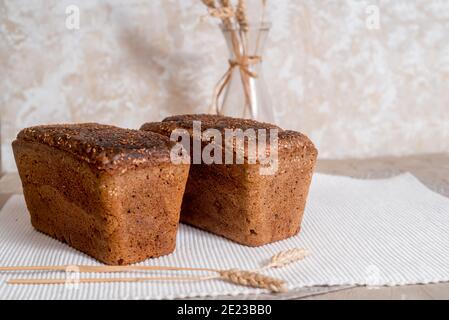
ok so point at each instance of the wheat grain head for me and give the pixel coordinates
(241, 15)
(209, 3)
(253, 279)
(285, 258)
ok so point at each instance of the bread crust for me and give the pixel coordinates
(119, 211)
(236, 201)
(106, 147)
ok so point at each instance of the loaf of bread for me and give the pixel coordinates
(109, 192)
(238, 202)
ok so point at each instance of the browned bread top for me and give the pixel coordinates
(287, 139)
(218, 122)
(207, 122)
(293, 139)
(106, 147)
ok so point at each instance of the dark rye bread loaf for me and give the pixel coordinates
(109, 192)
(236, 201)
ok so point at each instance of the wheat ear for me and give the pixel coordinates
(209, 3)
(225, 3)
(285, 258)
(253, 279)
(241, 16)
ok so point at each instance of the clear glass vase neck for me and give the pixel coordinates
(249, 43)
(246, 94)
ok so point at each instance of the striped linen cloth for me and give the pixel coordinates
(359, 232)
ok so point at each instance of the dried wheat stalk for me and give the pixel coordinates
(264, 10)
(99, 280)
(242, 277)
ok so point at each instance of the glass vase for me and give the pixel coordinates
(246, 94)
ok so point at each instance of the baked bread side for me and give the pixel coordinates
(236, 201)
(108, 192)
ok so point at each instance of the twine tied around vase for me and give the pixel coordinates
(242, 62)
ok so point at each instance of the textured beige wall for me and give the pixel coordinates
(357, 92)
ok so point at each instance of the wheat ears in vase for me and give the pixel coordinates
(248, 278)
(234, 17)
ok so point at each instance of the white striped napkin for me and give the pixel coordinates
(359, 232)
